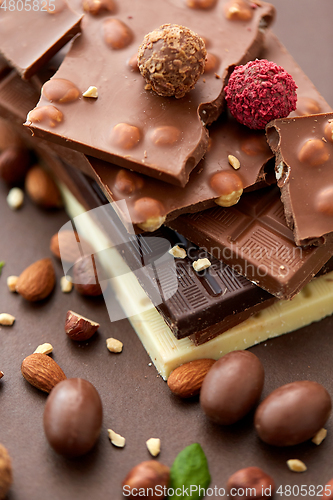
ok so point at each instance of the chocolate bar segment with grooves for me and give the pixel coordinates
(130, 126)
(32, 32)
(253, 238)
(304, 170)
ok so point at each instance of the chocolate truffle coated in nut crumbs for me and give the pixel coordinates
(171, 59)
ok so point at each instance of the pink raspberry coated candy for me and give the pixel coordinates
(260, 91)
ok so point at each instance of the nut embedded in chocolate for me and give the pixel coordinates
(73, 417)
(171, 59)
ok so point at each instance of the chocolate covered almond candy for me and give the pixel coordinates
(293, 413)
(304, 163)
(31, 33)
(130, 125)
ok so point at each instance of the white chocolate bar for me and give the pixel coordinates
(313, 303)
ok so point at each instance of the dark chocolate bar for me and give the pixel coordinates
(46, 25)
(253, 238)
(162, 137)
(304, 163)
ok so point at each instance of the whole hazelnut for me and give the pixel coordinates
(261, 484)
(146, 475)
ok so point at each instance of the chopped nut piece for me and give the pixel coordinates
(78, 327)
(116, 439)
(91, 92)
(154, 446)
(45, 348)
(15, 198)
(114, 345)
(234, 162)
(11, 283)
(1, 374)
(6, 319)
(319, 437)
(201, 264)
(152, 224)
(296, 465)
(178, 252)
(66, 284)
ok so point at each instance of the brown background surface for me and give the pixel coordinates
(137, 403)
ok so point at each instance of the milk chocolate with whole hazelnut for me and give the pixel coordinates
(162, 137)
(254, 239)
(304, 161)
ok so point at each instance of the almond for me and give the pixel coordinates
(37, 281)
(78, 327)
(42, 372)
(42, 189)
(69, 246)
(186, 380)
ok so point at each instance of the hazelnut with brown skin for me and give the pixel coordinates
(171, 59)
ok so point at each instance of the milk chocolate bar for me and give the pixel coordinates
(32, 32)
(227, 137)
(253, 238)
(162, 137)
(304, 161)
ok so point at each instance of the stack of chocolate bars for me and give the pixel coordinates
(164, 162)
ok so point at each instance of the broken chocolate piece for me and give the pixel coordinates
(47, 26)
(304, 163)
